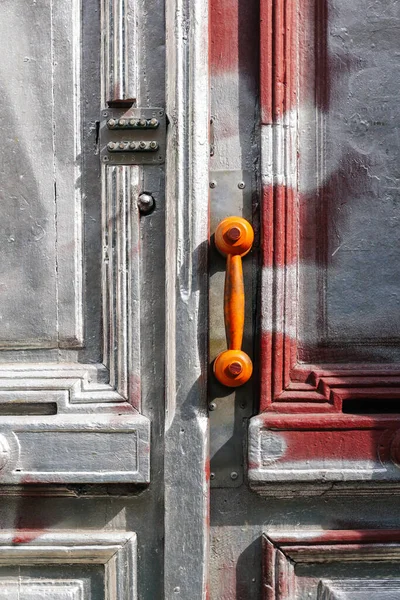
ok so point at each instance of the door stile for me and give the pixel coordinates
(186, 436)
(121, 222)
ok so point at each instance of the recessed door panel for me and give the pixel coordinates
(331, 565)
(41, 189)
(85, 565)
(70, 263)
(329, 317)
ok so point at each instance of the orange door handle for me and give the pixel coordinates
(234, 238)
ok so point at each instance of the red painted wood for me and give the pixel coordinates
(288, 383)
(283, 551)
(224, 35)
(335, 536)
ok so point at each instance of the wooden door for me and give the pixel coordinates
(304, 105)
(83, 433)
(112, 295)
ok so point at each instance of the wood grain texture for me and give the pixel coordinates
(186, 429)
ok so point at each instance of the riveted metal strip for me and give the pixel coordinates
(134, 136)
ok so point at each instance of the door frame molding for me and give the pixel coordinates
(186, 430)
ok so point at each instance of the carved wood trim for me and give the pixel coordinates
(282, 552)
(117, 380)
(286, 384)
(116, 551)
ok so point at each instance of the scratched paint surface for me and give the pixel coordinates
(43, 179)
(349, 180)
(28, 229)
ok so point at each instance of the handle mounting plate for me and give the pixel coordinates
(230, 193)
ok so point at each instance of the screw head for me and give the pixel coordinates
(234, 475)
(153, 122)
(111, 123)
(212, 406)
(111, 145)
(121, 122)
(153, 145)
(213, 184)
(241, 185)
(142, 145)
(145, 203)
(142, 122)
(233, 234)
(132, 146)
(212, 475)
(122, 146)
(132, 122)
(235, 368)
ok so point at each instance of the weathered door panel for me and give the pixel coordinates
(317, 514)
(334, 564)
(70, 358)
(79, 382)
(330, 249)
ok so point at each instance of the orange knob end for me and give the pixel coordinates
(234, 235)
(233, 368)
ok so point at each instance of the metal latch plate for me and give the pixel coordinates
(230, 193)
(134, 136)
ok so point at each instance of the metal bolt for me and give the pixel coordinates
(212, 475)
(241, 185)
(142, 122)
(142, 145)
(145, 203)
(213, 184)
(153, 145)
(122, 145)
(153, 122)
(111, 123)
(235, 368)
(132, 122)
(234, 475)
(121, 122)
(132, 146)
(111, 145)
(233, 234)
(212, 406)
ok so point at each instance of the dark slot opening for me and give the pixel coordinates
(128, 103)
(371, 406)
(21, 409)
(97, 133)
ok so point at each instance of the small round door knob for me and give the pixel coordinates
(233, 368)
(234, 235)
